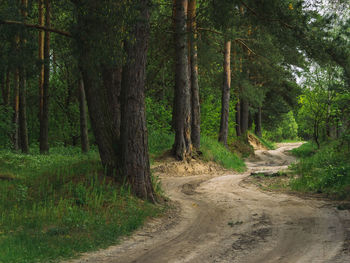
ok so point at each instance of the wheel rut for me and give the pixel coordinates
(222, 218)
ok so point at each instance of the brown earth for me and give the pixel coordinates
(219, 217)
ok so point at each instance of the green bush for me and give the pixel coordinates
(326, 171)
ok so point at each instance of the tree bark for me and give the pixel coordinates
(244, 116)
(23, 112)
(44, 122)
(182, 148)
(102, 85)
(258, 130)
(225, 99)
(6, 88)
(134, 135)
(15, 137)
(195, 104)
(22, 91)
(41, 57)
(84, 138)
(238, 119)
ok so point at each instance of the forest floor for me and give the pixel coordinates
(222, 216)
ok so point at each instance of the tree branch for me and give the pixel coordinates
(49, 29)
(264, 18)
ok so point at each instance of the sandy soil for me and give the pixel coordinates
(220, 217)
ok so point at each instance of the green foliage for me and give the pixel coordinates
(214, 151)
(286, 129)
(56, 206)
(159, 142)
(159, 116)
(326, 171)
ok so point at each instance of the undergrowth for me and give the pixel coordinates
(214, 151)
(59, 205)
(326, 170)
(268, 144)
(211, 150)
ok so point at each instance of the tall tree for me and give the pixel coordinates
(195, 104)
(257, 121)
(15, 136)
(41, 22)
(6, 88)
(225, 98)
(84, 138)
(182, 148)
(44, 121)
(134, 135)
(22, 89)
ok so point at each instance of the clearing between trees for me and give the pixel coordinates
(220, 216)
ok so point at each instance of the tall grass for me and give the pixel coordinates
(56, 206)
(214, 151)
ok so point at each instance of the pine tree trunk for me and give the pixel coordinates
(84, 138)
(22, 92)
(134, 135)
(23, 112)
(258, 130)
(238, 119)
(225, 99)
(7, 89)
(41, 57)
(44, 122)
(182, 148)
(5, 84)
(250, 121)
(102, 87)
(15, 137)
(244, 116)
(195, 104)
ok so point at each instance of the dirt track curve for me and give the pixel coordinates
(222, 218)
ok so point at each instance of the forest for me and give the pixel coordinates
(95, 94)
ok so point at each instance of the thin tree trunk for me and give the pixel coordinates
(195, 104)
(182, 148)
(22, 92)
(23, 112)
(16, 111)
(250, 121)
(238, 119)
(84, 138)
(41, 57)
(244, 116)
(134, 135)
(44, 122)
(7, 89)
(258, 130)
(4, 80)
(225, 99)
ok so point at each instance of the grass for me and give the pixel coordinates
(269, 145)
(59, 205)
(211, 149)
(305, 150)
(214, 151)
(326, 170)
(56, 206)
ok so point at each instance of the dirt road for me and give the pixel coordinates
(222, 218)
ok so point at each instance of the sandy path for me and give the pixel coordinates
(225, 219)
